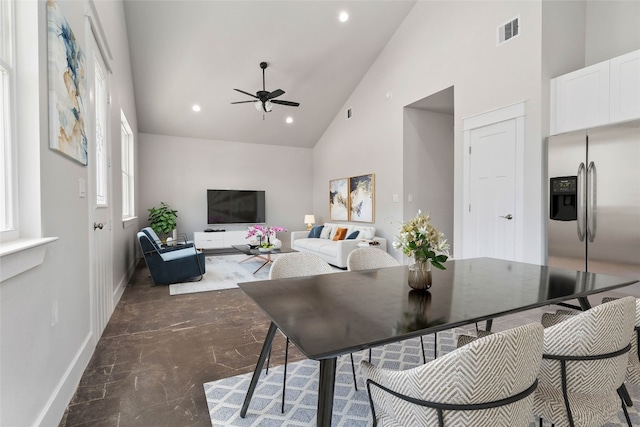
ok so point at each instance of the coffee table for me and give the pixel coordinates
(265, 256)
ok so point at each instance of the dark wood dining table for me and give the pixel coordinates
(330, 315)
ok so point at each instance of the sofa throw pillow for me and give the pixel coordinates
(340, 233)
(315, 231)
(353, 235)
(366, 232)
(326, 231)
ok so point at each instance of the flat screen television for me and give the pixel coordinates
(235, 207)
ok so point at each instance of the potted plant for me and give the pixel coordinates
(163, 219)
(264, 234)
(425, 245)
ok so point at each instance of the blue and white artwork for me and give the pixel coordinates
(361, 198)
(66, 87)
(339, 199)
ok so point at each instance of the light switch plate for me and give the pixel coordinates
(82, 188)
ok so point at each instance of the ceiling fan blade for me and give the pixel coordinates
(242, 102)
(246, 93)
(289, 103)
(275, 94)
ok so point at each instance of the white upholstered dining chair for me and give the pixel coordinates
(298, 264)
(489, 382)
(372, 258)
(295, 264)
(369, 258)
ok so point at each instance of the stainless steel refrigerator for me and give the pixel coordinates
(594, 200)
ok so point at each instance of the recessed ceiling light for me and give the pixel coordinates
(343, 17)
(289, 120)
(196, 108)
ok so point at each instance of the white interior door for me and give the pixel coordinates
(99, 190)
(491, 230)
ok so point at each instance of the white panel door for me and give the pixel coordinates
(99, 193)
(492, 195)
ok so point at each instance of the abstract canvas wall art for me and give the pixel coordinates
(361, 190)
(66, 87)
(339, 199)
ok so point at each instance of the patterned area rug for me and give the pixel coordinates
(223, 272)
(351, 408)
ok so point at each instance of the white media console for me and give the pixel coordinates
(219, 239)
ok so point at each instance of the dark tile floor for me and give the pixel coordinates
(158, 350)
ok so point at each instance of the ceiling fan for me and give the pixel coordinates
(266, 99)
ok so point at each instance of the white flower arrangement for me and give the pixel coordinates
(421, 241)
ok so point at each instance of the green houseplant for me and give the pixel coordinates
(163, 219)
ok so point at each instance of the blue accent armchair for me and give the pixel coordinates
(172, 266)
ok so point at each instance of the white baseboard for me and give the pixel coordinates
(117, 293)
(53, 411)
(63, 393)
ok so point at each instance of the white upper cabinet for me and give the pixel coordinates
(581, 99)
(603, 93)
(624, 73)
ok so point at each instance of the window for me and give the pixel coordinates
(101, 136)
(128, 172)
(8, 223)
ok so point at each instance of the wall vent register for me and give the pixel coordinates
(509, 30)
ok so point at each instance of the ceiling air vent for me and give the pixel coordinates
(509, 30)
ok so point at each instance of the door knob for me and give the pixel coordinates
(97, 225)
(509, 216)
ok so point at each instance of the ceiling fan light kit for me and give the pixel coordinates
(265, 99)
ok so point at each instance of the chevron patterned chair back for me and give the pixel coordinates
(633, 366)
(584, 365)
(298, 264)
(489, 382)
(369, 258)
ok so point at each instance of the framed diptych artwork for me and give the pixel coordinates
(352, 199)
(339, 199)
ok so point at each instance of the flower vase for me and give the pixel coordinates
(420, 275)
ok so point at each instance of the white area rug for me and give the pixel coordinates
(350, 407)
(223, 272)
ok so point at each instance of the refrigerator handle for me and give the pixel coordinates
(580, 202)
(591, 201)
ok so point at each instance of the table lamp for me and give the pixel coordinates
(310, 220)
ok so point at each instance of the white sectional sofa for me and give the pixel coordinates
(335, 252)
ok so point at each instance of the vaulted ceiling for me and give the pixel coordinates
(196, 52)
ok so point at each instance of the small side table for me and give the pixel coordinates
(369, 244)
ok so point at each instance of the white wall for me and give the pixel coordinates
(428, 167)
(440, 44)
(41, 360)
(179, 171)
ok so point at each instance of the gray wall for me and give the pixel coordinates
(612, 29)
(179, 171)
(428, 168)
